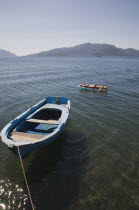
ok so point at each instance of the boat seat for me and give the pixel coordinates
(20, 136)
(54, 122)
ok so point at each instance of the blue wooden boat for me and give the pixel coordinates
(38, 126)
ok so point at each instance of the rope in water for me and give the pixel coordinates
(33, 208)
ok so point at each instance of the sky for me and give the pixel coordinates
(31, 26)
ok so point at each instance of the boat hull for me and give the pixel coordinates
(26, 149)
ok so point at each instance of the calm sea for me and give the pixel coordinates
(94, 164)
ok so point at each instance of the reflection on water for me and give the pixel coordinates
(11, 195)
(94, 164)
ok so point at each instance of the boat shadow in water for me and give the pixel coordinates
(54, 174)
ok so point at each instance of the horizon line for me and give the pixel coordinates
(67, 47)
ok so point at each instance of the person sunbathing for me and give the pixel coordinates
(100, 87)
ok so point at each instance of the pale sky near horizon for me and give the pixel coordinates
(38, 25)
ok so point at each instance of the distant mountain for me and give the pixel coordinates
(6, 54)
(89, 49)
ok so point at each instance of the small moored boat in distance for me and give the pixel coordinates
(85, 86)
(38, 126)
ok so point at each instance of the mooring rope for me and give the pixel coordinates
(33, 208)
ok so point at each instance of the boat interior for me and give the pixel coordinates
(42, 123)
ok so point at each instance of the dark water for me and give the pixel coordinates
(94, 164)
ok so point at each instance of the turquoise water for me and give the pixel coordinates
(94, 164)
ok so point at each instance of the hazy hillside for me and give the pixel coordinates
(89, 49)
(6, 54)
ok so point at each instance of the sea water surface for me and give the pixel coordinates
(94, 164)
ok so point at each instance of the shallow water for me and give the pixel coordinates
(94, 164)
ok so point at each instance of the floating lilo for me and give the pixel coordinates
(85, 86)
